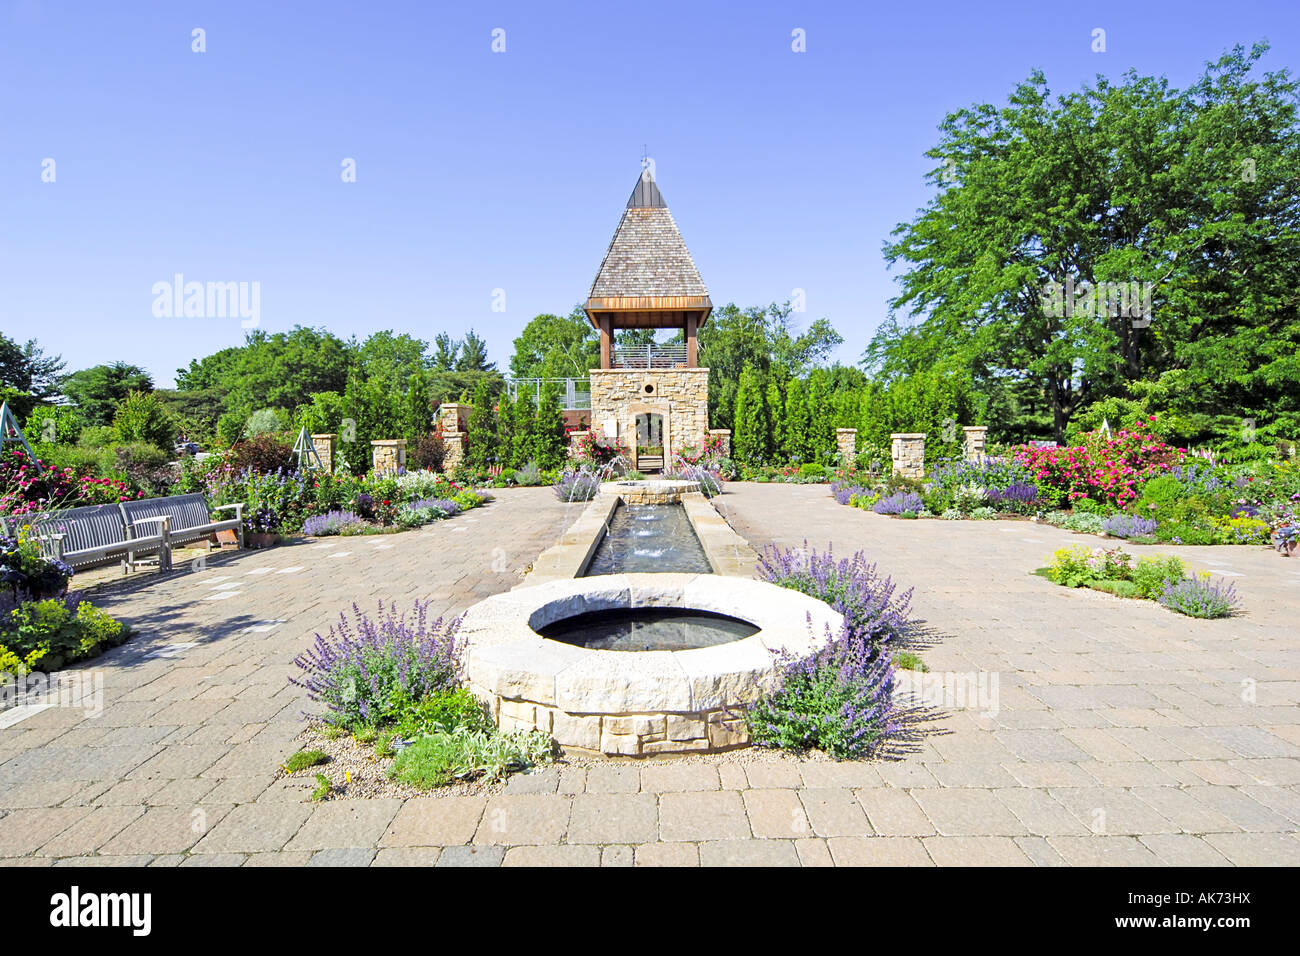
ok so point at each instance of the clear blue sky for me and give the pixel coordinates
(478, 171)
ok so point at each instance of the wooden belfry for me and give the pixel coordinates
(648, 279)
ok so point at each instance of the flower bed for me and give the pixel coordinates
(393, 682)
(1162, 579)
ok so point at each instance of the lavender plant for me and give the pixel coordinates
(1200, 597)
(332, 522)
(844, 493)
(577, 486)
(1020, 497)
(898, 503)
(1129, 526)
(840, 700)
(370, 671)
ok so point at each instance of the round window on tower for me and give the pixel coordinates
(648, 388)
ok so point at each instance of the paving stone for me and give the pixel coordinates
(296, 858)
(678, 777)
(1041, 814)
(91, 832)
(613, 778)
(702, 815)
(731, 776)
(835, 813)
(1182, 849)
(471, 856)
(975, 851)
(614, 818)
(878, 851)
(165, 830)
(547, 856)
(1255, 849)
(770, 775)
(214, 859)
(668, 854)
(776, 814)
(1111, 811)
(22, 831)
(435, 821)
(524, 819)
(343, 856)
(542, 781)
(1103, 851)
(407, 856)
(894, 812)
(749, 853)
(824, 775)
(1039, 851)
(967, 812)
(345, 823)
(617, 855)
(1248, 814)
(813, 852)
(255, 828)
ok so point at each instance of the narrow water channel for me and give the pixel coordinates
(649, 538)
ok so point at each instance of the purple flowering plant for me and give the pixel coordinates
(840, 700)
(898, 503)
(370, 671)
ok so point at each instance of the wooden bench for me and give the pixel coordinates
(92, 535)
(190, 518)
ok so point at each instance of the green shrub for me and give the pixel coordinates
(142, 418)
(1152, 574)
(443, 712)
(1119, 588)
(1070, 567)
(323, 787)
(808, 712)
(910, 662)
(61, 632)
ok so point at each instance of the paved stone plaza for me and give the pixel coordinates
(1123, 734)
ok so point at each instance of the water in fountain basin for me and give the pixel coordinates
(649, 538)
(648, 629)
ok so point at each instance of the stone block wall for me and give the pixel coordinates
(325, 446)
(626, 734)
(846, 443)
(574, 439)
(680, 395)
(907, 449)
(975, 442)
(388, 455)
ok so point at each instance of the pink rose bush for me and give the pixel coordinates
(1107, 469)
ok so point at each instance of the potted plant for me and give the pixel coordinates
(262, 528)
(1286, 539)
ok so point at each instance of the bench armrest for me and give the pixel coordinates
(164, 519)
(238, 506)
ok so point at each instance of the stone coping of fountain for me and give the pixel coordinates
(635, 702)
(649, 491)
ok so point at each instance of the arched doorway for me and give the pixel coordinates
(649, 441)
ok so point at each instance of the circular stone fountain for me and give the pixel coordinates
(629, 701)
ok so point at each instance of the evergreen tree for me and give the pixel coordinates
(775, 419)
(750, 428)
(551, 441)
(523, 424)
(794, 438)
(821, 416)
(419, 417)
(482, 429)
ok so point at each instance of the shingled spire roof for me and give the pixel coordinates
(648, 277)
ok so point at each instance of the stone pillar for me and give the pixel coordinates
(454, 443)
(325, 446)
(908, 452)
(574, 439)
(453, 425)
(453, 417)
(388, 455)
(846, 443)
(725, 445)
(975, 442)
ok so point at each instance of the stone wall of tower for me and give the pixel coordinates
(680, 395)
